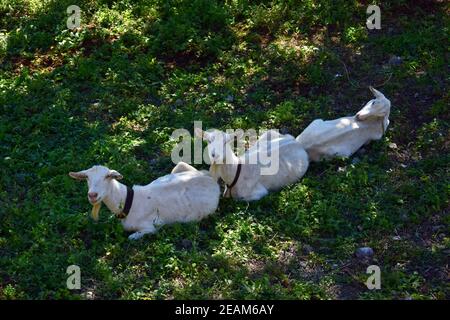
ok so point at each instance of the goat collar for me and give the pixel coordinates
(128, 203)
(236, 177)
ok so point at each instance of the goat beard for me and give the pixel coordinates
(95, 210)
(214, 171)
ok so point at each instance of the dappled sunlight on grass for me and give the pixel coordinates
(112, 91)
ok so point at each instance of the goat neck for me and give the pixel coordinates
(227, 170)
(115, 200)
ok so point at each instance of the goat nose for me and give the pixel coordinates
(92, 195)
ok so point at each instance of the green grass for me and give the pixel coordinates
(113, 91)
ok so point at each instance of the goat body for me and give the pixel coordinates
(341, 137)
(184, 195)
(291, 164)
(344, 136)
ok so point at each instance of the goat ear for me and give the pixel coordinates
(199, 132)
(229, 137)
(238, 134)
(376, 93)
(113, 174)
(362, 115)
(80, 175)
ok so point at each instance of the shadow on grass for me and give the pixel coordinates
(101, 105)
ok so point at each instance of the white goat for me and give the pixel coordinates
(182, 196)
(245, 178)
(344, 136)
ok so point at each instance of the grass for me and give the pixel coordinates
(113, 91)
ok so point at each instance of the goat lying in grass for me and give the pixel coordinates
(246, 180)
(182, 196)
(344, 136)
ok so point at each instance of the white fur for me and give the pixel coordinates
(252, 185)
(182, 196)
(344, 136)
